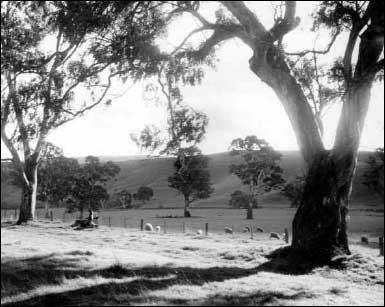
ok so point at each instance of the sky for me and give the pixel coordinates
(236, 101)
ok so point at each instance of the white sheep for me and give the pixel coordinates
(148, 227)
(228, 230)
(246, 229)
(157, 228)
(199, 232)
(259, 229)
(274, 235)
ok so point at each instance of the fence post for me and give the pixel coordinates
(232, 228)
(109, 221)
(381, 240)
(141, 224)
(125, 224)
(164, 227)
(15, 214)
(286, 235)
(184, 228)
(251, 231)
(51, 215)
(207, 229)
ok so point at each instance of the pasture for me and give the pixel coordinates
(362, 221)
(117, 266)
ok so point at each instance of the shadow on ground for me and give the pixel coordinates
(22, 275)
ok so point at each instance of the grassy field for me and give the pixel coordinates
(49, 263)
(273, 219)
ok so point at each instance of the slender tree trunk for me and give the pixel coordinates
(186, 207)
(249, 212)
(28, 196)
(46, 207)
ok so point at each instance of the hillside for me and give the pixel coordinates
(153, 172)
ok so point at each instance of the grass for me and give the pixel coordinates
(47, 263)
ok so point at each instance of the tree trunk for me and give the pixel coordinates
(28, 196)
(186, 207)
(249, 213)
(319, 225)
(46, 207)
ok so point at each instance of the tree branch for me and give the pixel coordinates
(326, 50)
(288, 23)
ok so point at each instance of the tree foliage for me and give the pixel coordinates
(55, 175)
(144, 193)
(191, 177)
(88, 189)
(241, 200)
(260, 168)
(374, 176)
(50, 52)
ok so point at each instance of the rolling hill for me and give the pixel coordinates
(153, 172)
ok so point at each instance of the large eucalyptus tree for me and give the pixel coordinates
(320, 223)
(58, 60)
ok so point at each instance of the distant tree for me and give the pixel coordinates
(374, 176)
(55, 175)
(293, 191)
(144, 194)
(124, 198)
(88, 190)
(242, 200)
(191, 177)
(259, 169)
(186, 128)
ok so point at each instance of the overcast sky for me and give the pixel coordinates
(235, 100)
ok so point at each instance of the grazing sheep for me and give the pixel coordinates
(259, 229)
(199, 232)
(157, 228)
(274, 235)
(364, 240)
(148, 227)
(246, 229)
(228, 230)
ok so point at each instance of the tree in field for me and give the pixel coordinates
(374, 176)
(88, 190)
(54, 176)
(191, 177)
(320, 223)
(240, 199)
(186, 128)
(53, 50)
(293, 191)
(144, 194)
(259, 169)
(124, 198)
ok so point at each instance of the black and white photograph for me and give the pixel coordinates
(192, 153)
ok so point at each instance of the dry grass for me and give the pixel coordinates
(51, 264)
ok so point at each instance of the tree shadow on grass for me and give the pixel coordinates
(21, 276)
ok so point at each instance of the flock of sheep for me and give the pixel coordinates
(228, 230)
